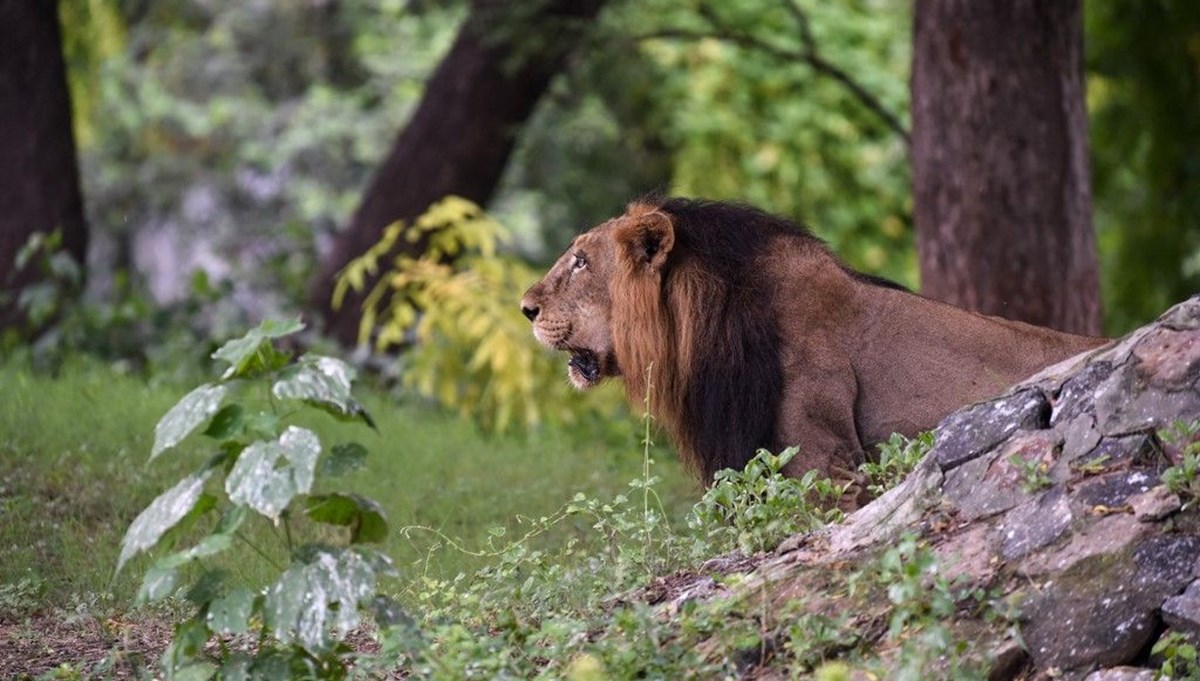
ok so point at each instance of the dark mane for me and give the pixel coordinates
(726, 231)
(736, 374)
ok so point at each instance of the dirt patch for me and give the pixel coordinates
(112, 648)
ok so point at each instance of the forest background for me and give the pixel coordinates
(225, 145)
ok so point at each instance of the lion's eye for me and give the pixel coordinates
(580, 262)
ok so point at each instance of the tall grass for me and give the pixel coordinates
(74, 473)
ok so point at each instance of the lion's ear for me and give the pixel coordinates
(645, 240)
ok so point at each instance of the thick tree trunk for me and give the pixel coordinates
(39, 178)
(1000, 160)
(462, 133)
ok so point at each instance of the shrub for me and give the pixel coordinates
(897, 457)
(1182, 441)
(757, 507)
(456, 310)
(268, 468)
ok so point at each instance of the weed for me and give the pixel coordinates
(922, 601)
(20, 597)
(814, 638)
(1035, 474)
(897, 457)
(1183, 441)
(757, 507)
(1179, 658)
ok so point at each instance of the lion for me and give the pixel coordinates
(742, 330)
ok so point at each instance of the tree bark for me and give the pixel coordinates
(463, 131)
(39, 177)
(1000, 160)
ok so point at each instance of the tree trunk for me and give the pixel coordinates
(1000, 160)
(39, 178)
(462, 133)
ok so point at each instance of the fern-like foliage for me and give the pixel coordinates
(457, 307)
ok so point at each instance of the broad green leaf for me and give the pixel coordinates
(363, 516)
(231, 520)
(226, 423)
(209, 546)
(204, 504)
(161, 515)
(311, 599)
(231, 613)
(268, 475)
(158, 583)
(162, 579)
(345, 458)
(275, 665)
(190, 637)
(323, 382)
(253, 353)
(207, 588)
(196, 671)
(186, 415)
(263, 424)
(236, 667)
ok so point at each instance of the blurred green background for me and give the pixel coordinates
(238, 136)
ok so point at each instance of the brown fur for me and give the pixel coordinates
(747, 332)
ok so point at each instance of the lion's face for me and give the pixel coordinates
(571, 309)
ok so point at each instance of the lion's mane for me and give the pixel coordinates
(699, 335)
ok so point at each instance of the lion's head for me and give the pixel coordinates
(648, 296)
(571, 308)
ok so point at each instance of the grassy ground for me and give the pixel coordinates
(74, 473)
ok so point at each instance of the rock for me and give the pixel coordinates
(1169, 357)
(1185, 315)
(1094, 563)
(1080, 436)
(983, 487)
(1122, 674)
(1158, 386)
(892, 513)
(1089, 616)
(971, 432)
(1077, 393)
(1156, 504)
(1182, 612)
(1123, 451)
(1006, 660)
(1113, 490)
(1034, 525)
(1110, 535)
(1167, 563)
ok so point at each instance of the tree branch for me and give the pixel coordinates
(808, 55)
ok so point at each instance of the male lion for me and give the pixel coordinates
(749, 333)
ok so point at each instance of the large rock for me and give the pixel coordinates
(1052, 494)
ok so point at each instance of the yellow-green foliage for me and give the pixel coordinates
(457, 304)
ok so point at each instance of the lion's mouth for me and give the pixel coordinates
(584, 368)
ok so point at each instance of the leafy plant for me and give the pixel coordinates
(1183, 442)
(758, 507)
(268, 467)
(1035, 474)
(1178, 653)
(897, 457)
(59, 278)
(454, 308)
(922, 601)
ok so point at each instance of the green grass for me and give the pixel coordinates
(74, 474)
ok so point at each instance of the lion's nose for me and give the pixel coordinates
(529, 311)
